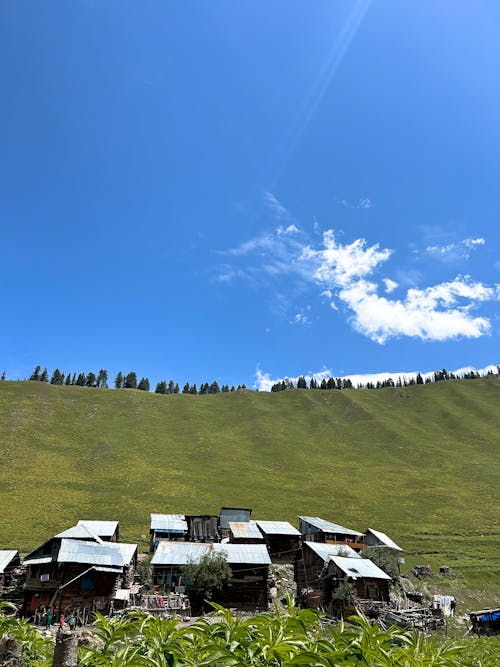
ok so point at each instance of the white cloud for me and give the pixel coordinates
(390, 285)
(301, 318)
(363, 203)
(347, 274)
(440, 312)
(291, 229)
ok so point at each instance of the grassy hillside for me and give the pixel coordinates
(420, 463)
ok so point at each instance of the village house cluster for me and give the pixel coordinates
(86, 568)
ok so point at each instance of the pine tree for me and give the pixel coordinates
(102, 379)
(193, 389)
(119, 380)
(170, 388)
(313, 384)
(225, 389)
(161, 387)
(68, 380)
(301, 383)
(130, 380)
(176, 388)
(186, 388)
(73, 379)
(4, 376)
(143, 384)
(233, 387)
(57, 377)
(81, 380)
(35, 376)
(44, 377)
(214, 388)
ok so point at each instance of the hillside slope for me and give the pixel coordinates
(420, 463)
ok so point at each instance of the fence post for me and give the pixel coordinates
(66, 649)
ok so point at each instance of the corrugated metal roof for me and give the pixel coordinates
(127, 551)
(325, 551)
(172, 523)
(385, 539)
(245, 530)
(178, 553)
(89, 553)
(327, 526)
(38, 561)
(6, 556)
(182, 553)
(359, 568)
(238, 514)
(251, 554)
(80, 531)
(277, 528)
(101, 528)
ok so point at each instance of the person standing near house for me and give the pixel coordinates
(48, 618)
(61, 621)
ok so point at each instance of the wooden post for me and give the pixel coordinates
(10, 652)
(66, 649)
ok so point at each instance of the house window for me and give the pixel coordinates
(372, 591)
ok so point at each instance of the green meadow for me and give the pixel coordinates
(420, 463)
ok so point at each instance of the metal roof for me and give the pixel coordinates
(127, 551)
(326, 551)
(245, 530)
(38, 561)
(6, 556)
(182, 553)
(277, 528)
(178, 553)
(79, 532)
(359, 568)
(171, 523)
(101, 528)
(382, 537)
(239, 514)
(250, 554)
(89, 553)
(327, 526)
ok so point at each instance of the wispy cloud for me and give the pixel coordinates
(454, 251)
(276, 207)
(363, 203)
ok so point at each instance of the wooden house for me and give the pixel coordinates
(314, 529)
(167, 527)
(369, 580)
(282, 540)
(236, 514)
(11, 576)
(249, 563)
(75, 574)
(311, 569)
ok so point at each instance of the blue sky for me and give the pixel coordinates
(249, 190)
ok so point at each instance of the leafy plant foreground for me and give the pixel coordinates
(298, 637)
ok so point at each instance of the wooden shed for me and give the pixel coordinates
(282, 540)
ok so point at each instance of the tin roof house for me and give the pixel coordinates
(249, 563)
(282, 540)
(315, 529)
(83, 571)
